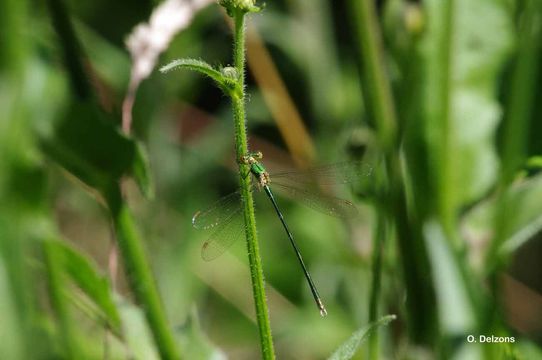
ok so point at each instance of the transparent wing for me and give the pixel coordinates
(217, 213)
(341, 173)
(229, 231)
(323, 203)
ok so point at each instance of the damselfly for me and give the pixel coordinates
(226, 216)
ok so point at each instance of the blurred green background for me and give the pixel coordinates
(450, 221)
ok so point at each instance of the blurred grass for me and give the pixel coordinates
(464, 83)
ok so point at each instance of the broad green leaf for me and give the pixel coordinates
(453, 116)
(463, 59)
(521, 89)
(88, 145)
(349, 348)
(84, 274)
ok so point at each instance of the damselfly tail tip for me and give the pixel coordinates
(322, 308)
(323, 312)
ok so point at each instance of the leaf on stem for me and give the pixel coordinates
(225, 78)
(82, 272)
(87, 144)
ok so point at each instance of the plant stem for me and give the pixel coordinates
(139, 275)
(380, 102)
(379, 91)
(379, 99)
(241, 146)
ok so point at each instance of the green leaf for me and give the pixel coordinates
(521, 91)
(349, 348)
(87, 143)
(224, 79)
(83, 273)
(462, 61)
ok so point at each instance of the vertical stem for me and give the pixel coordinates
(241, 146)
(140, 276)
(379, 99)
(443, 163)
(131, 246)
(378, 88)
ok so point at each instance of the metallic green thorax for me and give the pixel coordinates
(257, 169)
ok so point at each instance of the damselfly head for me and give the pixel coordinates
(252, 157)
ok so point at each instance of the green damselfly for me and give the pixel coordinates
(225, 215)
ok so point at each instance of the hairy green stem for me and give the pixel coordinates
(241, 145)
(139, 275)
